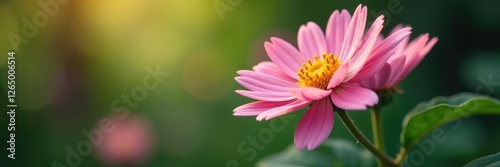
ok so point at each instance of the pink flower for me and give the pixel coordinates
(406, 57)
(129, 141)
(325, 70)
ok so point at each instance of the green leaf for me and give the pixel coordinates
(333, 152)
(427, 116)
(487, 161)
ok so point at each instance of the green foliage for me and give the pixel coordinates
(487, 161)
(427, 116)
(333, 152)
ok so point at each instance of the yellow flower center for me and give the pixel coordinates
(318, 73)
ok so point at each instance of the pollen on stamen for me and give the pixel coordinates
(318, 73)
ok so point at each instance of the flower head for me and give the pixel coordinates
(323, 72)
(406, 57)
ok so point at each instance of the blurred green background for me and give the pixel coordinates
(91, 53)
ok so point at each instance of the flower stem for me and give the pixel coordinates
(378, 138)
(401, 156)
(386, 160)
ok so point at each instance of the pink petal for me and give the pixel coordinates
(292, 106)
(315, 126)
(393, 41)
(370, 83)
(346, 105)
(258, 107)
(413, 48)
(255, 108)
(269, 68)
(380, 54)
(263, 77)
(288, 63)
(359, 59)
(428, 46)
(397, 66)
(335, 30)
(400, 48)
(350, 97)
(353, 34)
(266, 96)
(311, 40)
(285, 47)
(339, 76)
(396, 28)
(310, 93)
(371, 68)
(260, 85)
(383, 76)
(417, 55)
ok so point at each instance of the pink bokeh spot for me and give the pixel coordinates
(129, 142)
